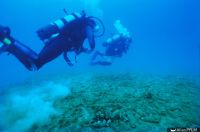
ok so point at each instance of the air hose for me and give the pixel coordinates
(100, 25)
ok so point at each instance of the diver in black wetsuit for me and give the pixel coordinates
(61, 36)
(115, 47)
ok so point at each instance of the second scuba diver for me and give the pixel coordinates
(61, 36)
(115, 46)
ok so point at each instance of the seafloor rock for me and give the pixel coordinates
(151, 118)
(120, 102)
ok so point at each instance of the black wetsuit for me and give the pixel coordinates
(71, 39)
(116, 48)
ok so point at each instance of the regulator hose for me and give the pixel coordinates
(102, 25)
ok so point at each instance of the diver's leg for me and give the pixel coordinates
(33, 61)
(97, 53)
(30, 59)
(3, 48)
(104, 61)
(51, 51)
(94, 61)
(24, 54)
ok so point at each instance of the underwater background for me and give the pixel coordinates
(151, 88)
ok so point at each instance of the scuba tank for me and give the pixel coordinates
(118, 37)
(111, 40)
(56, 27)
(117, 45)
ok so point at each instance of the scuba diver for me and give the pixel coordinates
(62, 36)
(115, 46)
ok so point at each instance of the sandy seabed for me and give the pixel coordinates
(101, 103)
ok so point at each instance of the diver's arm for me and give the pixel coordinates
(67, 59)
(90, 37)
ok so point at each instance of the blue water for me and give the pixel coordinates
(166, 41)
(165, 33)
